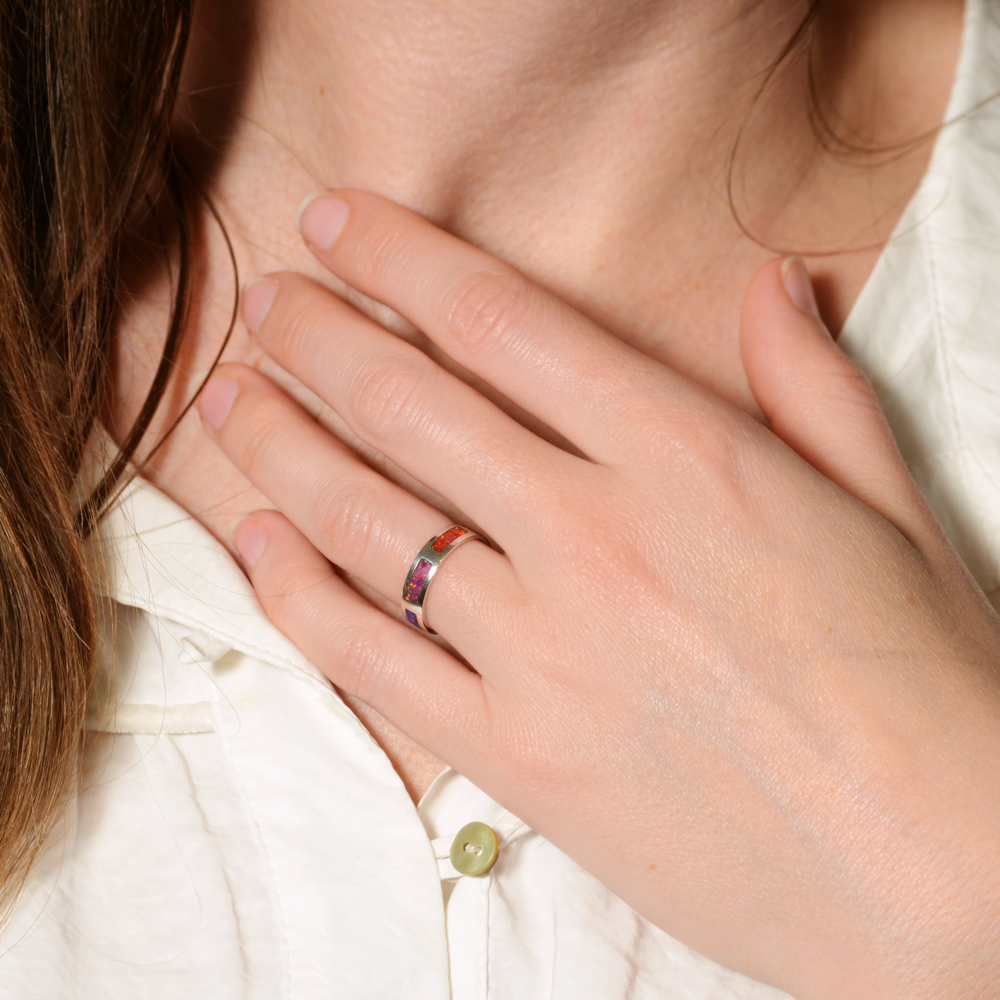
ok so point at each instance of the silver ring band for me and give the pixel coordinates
(425, 566)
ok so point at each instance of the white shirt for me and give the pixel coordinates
(238, 832)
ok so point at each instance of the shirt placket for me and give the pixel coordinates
(461, 820)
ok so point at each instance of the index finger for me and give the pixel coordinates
(539, 352)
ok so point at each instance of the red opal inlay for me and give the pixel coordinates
(417, 582)
(443, 541)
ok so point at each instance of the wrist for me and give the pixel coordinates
(914, 866)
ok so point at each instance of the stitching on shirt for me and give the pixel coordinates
(185, 719)
(484, 965)
(937, 328)
(262, 840)
(947, 365)
(146, 553)
(263, 654)
(166, 610)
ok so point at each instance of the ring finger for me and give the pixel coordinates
(356, 518)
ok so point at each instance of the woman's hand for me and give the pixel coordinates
(737, 673)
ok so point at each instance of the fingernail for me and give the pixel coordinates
(799, 286)
(250, 539)
(320, 219)
(216, 399)
(257, 298)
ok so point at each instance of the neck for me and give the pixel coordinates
(620, 153)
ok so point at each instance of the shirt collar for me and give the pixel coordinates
(149, 553)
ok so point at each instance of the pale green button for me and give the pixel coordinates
(475, 850)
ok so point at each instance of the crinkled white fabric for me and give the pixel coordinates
(926, 327)
(238, 833)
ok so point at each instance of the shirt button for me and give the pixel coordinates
(475, 850)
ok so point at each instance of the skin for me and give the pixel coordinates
(575, 179)
(849, 737)
(788, 694)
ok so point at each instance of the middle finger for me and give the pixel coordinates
(395, 398)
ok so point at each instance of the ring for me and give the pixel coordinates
(424, 568)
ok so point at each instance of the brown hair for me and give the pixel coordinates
(87, 88)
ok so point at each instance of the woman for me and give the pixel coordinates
(771, 733)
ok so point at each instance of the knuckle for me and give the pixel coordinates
(349, 516)
(488, 310)
(301, 313)
(389, 395)
(843, 383)
(300, 329)
(366, 661)
(692, 444)
(266, 443)
(651, 422)
(850, 383)
(376, 256)
(604, 537)
(713, 459)
(288, 594)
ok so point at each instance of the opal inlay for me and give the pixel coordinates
(443, 541)
(412, 618)
(417, 582)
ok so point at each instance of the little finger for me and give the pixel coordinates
(415, 684)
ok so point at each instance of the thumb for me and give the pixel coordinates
(819, 402)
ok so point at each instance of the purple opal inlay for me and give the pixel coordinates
(412, 618)
(417, 582)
